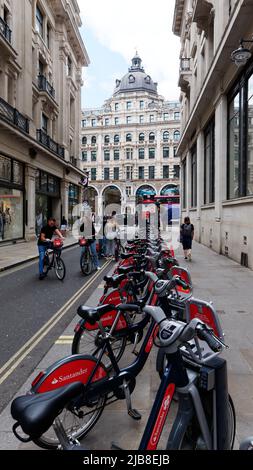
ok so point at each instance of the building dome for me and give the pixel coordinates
(136, 79)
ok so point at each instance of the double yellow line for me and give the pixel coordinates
(8, 368)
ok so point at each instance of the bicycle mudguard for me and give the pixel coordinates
(68, 370)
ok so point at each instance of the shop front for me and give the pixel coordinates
(73, 202)
(11, 199)
(47, 203)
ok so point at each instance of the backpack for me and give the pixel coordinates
(187, 230)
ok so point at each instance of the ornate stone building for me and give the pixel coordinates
(129, 145)
(216, 146)
(41, 60)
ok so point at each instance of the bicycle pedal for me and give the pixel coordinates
(115, 447)
(134, 414)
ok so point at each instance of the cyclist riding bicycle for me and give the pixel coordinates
(44, 242)
(87, 228)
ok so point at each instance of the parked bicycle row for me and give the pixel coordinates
(147, 301)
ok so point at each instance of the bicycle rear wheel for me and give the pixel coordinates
(86, 262)
(60, 269)
(89, 342)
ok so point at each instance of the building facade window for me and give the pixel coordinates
(116, 173)
(106, 174)
(177, 116)
(165, 116)
(209, 163)
(151, 152)
(176, 136)
(93, 174)
(141, 172)
(166, 152)
(176, 171)
(84, 141)
(141, 137)
(174, 152)
(116, 139)
(44, 123)
(129, 105)
(129, 119)
(107, 139)
(129, 154)
(129, 172)
(151, 137)
(151, 118)
(93, 139)
(11, 199)
(116, 106)
(141, 104)
(47, 192)
(151, 172)
(84, 156)
(84, 122)
(129, 137)
(128, 191)
(93, 122)
(240, 141)
(184, 189)
(194, 177)
(116, 121)
(166, 136)
(106, 155)
(166, 171)
(107, 121)
(39, 21)
(141, 153)
(93, 156)
(116, 154)
(141, 119)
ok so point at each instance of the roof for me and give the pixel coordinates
(136, 79)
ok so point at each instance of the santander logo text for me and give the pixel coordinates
(64, 378)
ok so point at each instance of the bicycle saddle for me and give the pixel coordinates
(93, 314)
(114, 281)
(125, 269)
(36, 413)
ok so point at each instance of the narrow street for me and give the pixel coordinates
(28, 308)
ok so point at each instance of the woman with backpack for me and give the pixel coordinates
(186, 237)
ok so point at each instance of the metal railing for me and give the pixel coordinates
(13, 116)
(46, 140)
(5, 30)
(44, 85)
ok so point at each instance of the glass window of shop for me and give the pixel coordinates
(11, 199)
(47, 192)
(240, 137)
(73, 201)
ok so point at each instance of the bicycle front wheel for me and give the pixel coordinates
(86, 262)
(60, 269)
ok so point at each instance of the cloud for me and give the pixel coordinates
(125, 27)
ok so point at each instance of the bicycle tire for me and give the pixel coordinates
(86, 263)
(60, 268)
(84, 337)
(49, 440)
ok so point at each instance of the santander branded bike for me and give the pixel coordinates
(67, 399)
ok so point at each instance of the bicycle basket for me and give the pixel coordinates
(57, 243)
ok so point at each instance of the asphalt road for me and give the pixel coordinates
(26, 306)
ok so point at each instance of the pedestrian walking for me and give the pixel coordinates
(89, 231)
(111, 231)
(64, 226)
(186, 237)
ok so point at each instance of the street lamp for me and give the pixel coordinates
(241, 55)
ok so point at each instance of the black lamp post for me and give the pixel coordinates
(241, 55)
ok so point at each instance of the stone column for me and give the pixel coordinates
(188, 182)
(220, 164)
(30, 178)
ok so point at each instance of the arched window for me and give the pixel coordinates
(151, 137)
(176, 136)
(107, 139)
(84, 140)
(141, 137)
(93, 139)
(166, 136)
(131, 79)
(129, 137)
(116, 139)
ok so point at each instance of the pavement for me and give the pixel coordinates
(12, 255)
(215, 278)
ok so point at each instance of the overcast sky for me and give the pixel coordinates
(113, 30)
